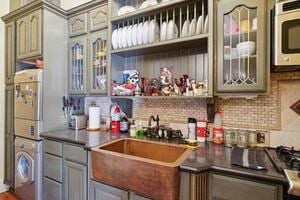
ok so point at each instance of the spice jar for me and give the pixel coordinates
(218, 135)
(228, 133)
(243, 139)
(252, 138)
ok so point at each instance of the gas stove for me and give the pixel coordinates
(284, 157)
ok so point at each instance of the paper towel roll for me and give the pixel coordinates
(94, 118)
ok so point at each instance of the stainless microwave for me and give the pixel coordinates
(287, 35)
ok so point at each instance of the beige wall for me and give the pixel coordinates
(4, 8)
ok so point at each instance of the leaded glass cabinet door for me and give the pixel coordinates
(242, 46)
(98, 63)
(77, 66)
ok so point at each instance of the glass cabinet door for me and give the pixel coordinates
(98, 63)
(241, 46)
(77, 67)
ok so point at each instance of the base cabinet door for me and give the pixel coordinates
(52, 190)
(75, 181)
(230, 188)
(99, 191)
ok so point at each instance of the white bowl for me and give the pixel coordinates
(246, 48)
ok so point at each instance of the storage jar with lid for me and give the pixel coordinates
(218, 134)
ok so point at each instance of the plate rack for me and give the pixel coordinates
(190, 54)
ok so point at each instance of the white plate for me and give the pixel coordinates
(146, 32)
(148, 3)
(129, 36)
(114, 39)
(163, 31)
(185, 28)
(205, 28)
(199, 26)
(134, 35)
(192, 28)
(140, 34)
(120, 42)
(126, 9)
(153, 31)
(124, 37)
(172, 30)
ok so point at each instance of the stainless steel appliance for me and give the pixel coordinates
(286, 39)
(77, 122)
(28, 103)
(28, 169)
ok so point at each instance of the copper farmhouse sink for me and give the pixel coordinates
(145, 167)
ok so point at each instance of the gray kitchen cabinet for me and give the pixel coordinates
(77, 66)
(233, 188)
(75, 181)
(241, 46)
(98, 18)
(100, 191)
(98, 62)
(9, 136)
(52, 190)
(35, 34)
(78, 25)
(29, 35)
(22, 33)
(10, 52)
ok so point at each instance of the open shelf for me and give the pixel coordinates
(163, 97)
(179, 43)
(147, 11)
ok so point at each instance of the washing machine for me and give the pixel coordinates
(28, 169)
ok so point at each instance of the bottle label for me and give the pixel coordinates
(124, 126)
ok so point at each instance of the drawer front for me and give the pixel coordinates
(53, 147)
(78, 25)
(228, 188)
(75, 153)
(98, 18)
(53, 167)
(52, 190)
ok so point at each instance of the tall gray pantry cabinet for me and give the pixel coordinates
(37, 30)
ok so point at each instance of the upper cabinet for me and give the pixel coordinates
(98, 63)
(241, 46)
(10, 52)
(29, 35)
(98, 18)
(88, 49)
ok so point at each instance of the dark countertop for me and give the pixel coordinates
(214, 157)
(88, 139)
(207, 156)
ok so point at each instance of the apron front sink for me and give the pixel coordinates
(145, 167)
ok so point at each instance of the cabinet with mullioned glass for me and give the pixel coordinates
(241, 46)
(88, 49)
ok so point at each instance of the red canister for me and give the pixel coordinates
(201, 130)
(115, 126)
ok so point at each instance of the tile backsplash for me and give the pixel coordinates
(262, 112)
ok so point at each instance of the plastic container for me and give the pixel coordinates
(201, 130)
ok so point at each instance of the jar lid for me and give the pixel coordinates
(201, 120)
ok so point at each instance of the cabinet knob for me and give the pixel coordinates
(286, 59)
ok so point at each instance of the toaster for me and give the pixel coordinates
(78, 122)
